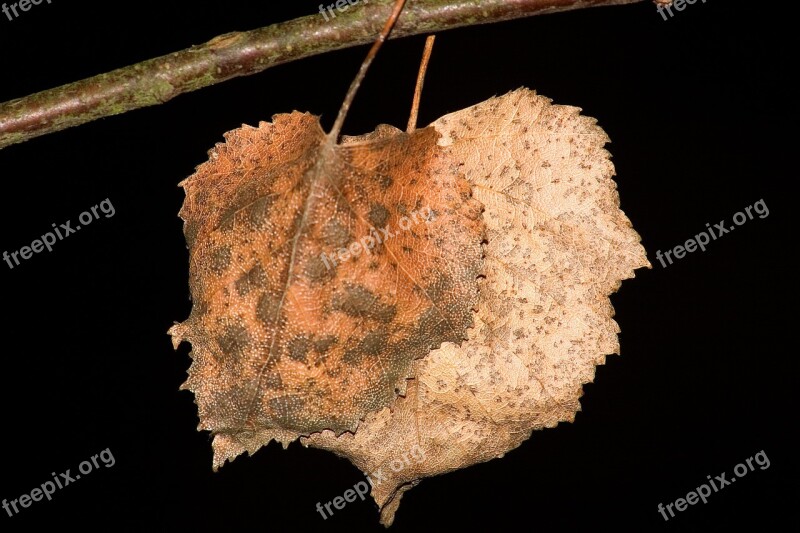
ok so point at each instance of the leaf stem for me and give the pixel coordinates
(362, 71)
(423, 68)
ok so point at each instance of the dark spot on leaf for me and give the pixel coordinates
(432, 325)
(234, 340)
(372, 344)
(220, 259)
(323, 344)
(385, 181)
(253, 279)
(318, 270)
(190, 230)
(287, 409)
(267, 309)
(227, 218)
(259, 211)
(378, 215)
(298, 348)
(358, 301)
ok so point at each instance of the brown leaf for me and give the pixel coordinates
(292, 333)
(558, 245)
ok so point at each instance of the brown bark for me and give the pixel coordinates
(236, 54)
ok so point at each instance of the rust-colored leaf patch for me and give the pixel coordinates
(319, 272)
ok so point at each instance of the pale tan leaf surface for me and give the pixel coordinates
(558, 245)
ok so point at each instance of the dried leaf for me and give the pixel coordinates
(558, 245)
(288, 332)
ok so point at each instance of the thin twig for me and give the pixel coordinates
(351, 92)
(228, 56)
(423, 68)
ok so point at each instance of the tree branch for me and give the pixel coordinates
(228, 56)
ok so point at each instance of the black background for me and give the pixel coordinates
(701, 110)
